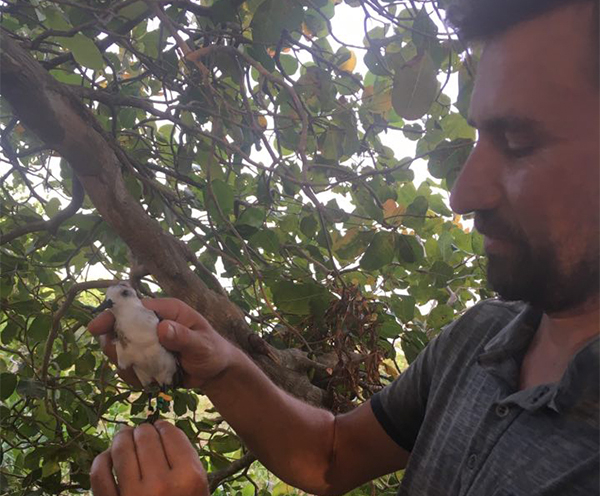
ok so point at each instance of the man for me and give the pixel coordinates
(505, 401)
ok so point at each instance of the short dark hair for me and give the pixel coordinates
(481, 20)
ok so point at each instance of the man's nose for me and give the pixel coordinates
(478, 186)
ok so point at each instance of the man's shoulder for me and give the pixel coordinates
(480, 323)
(493, 309)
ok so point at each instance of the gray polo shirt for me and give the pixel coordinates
(470, 431)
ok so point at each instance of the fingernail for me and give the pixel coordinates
(170, 334)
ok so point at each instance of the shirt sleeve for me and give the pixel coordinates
(400, 407)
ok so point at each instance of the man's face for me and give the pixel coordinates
(533, 178)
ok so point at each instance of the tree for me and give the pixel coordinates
(224, 153)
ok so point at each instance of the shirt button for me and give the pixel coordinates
(502, 410)
(472, 461)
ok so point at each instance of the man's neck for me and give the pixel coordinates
(572, 329)
(558, 338)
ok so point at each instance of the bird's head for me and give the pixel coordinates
(118, 296)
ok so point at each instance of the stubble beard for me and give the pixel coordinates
(536, 277)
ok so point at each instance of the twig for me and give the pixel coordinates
(215, 478)
(58, 315)
(52, 224)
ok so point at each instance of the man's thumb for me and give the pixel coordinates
(174, 336)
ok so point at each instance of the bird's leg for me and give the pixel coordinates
(150, 407)
(153, 413)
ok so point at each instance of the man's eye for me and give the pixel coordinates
(517, 146)
(519, 151)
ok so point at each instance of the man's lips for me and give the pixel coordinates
(496, 245)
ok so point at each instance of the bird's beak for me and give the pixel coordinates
(108, 303)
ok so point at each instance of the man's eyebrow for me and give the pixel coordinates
(507, 124)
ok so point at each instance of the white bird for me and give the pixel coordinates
(137, 339)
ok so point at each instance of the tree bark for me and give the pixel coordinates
(59, 118)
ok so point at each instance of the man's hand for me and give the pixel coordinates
(204, 354)
(150, 460)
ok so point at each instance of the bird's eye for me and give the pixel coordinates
(125, 292)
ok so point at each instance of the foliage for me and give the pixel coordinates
(252, 132)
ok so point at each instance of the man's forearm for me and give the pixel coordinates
(291, 438)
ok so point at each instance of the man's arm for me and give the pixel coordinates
(305, 446)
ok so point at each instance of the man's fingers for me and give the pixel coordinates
(177, 446)
(108, 347)
(176, 337)
(177, 310)
(150, 452)
(102, 324)
(101, 477)
(125, 460)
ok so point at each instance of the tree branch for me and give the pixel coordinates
(59, 314)
(215, 478)
(52, 224)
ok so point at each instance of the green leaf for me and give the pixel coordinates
(375, 62)
(409, 249)
(223, 193)
(309, 226)
(179, 404)
(52, 207)
(440, 316)
(252, 216)
(85, 364)
(415, 88)
(225, 444)
(442, 273)
(50, 467)
(380, 252)
(267, 240)
(39, 328)
(289, 64)
(445, 244)
(10, 331)
(8, 383)
(55, 20)
(446, 161)
(415, 213)
(272, 17)
(477, 243)
(294, 298)
(84, 51)
(259, 53)
(413, 343)
(31, 388)
(455, 126)
(390, 330)
(133, 10)
(223, 11)
(404, 307)
(424, 30)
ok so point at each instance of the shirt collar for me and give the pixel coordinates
(503, 354)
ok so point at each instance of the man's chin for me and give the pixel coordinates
(513, 280)
(536, 281)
